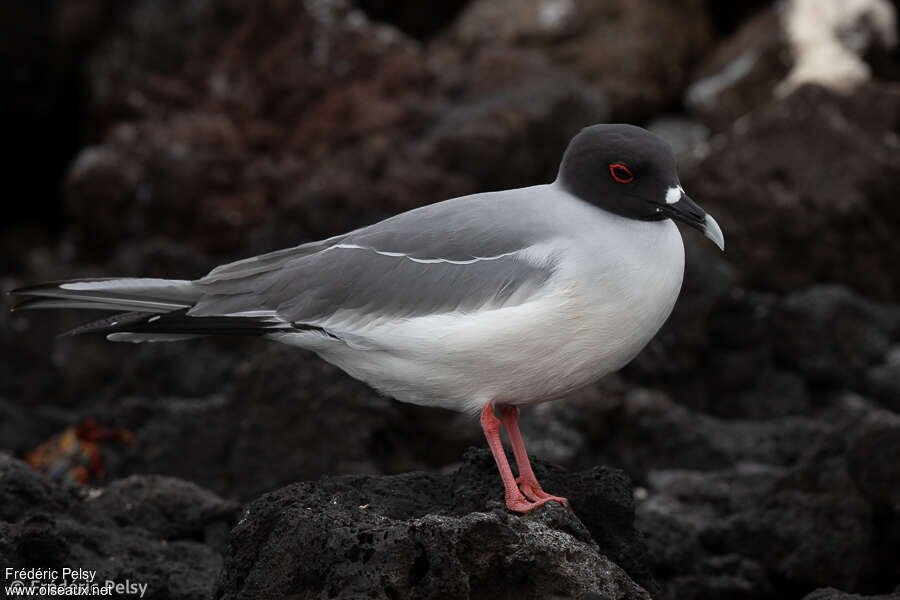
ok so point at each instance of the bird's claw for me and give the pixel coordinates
(521, 504)
(532, 490)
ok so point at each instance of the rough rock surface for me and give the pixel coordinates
(422, 535)
(762, 355)
(838, 229)
(279, 424)
(235, 113)
(738, 507)
(740, 73)
(160, 531)
(614, 45)
(412, 535)
(834, 594)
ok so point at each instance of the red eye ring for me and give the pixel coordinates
(620, 173)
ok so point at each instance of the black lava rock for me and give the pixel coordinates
(158, 531)
(428, 535)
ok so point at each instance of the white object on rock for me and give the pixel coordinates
(828, 38)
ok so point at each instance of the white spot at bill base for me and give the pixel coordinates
(674, 194)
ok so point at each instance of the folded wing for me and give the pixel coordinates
(461, 255)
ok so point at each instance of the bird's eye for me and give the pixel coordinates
(620, 173)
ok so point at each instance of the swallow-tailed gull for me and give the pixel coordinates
(481, 303)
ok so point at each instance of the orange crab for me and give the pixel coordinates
(75, 454)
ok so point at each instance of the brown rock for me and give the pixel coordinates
(740, 73)
(804, 189)
(216, 125)
(638, 53)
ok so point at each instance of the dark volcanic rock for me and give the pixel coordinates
(727, 17)
(513, 136)
(430, 536)
(873, 458)
(834, 594)
(166, 507)
(413, 17)
(745, 354)
(736, 508)
(616, 45)
(827, 519)
(279, 423)
(24, 491)
(740, 74)
(641, 431)
(789, 225)
(652, 432)
(43, 51)
(155, 530)
(210, 128)
(883, 380)
(832, 336)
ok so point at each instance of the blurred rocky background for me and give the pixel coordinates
(760, 430)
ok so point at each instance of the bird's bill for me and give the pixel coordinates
(686, 211)
(712, 230)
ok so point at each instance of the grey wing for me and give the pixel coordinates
(242, 269)
(458, 255)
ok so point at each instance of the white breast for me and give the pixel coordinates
(616, 283)
(623, 301)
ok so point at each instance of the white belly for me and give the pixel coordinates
(606, 302)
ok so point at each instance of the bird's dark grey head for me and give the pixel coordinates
(630, 172)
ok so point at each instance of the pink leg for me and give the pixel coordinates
(515, 501)
(527, 482)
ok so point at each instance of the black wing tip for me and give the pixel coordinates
(23, 303)
(39, 291)
(18, 302)
(28, 302)
(70, 333)
(38, 288)
(179, 322)
(174, 322)
(113, 324)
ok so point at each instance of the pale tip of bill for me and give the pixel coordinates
(714, 232)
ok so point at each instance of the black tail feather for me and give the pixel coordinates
(107, 324)
(150, 309)
(180, 323)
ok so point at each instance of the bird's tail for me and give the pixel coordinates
(148, 310)
(132, 294)
(141, 299)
